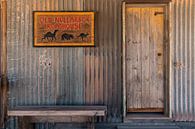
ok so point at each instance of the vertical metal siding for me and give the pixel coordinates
(91, 75)
(184, 60)
(71, 75)
(41, 75)
(103, 63)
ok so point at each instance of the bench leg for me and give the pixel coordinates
(24, 123)
(91, 124)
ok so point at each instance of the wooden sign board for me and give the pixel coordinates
(63, 28)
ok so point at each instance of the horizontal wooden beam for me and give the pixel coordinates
(145, 110)
(59, 111)
(75, 107)
(147, 1)
(56, 113)
(59, 119)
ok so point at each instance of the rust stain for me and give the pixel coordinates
(178, 65)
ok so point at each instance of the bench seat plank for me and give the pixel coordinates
(51, 111)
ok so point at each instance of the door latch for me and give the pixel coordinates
(158, 13)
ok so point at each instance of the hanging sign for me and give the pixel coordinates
(63, 28)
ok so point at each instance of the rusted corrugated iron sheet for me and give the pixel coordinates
(67, 75)
(103, 63)
(41, 75)
(107, 56)
(56, 76)
(63, 76)
(184, 60)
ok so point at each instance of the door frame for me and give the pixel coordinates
(168, 48)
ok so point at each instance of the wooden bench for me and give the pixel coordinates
(31, 114)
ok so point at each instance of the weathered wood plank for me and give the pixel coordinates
(156, 58)
(59, 111)
(137, 56)
(134, 58)
(128, 60)
(145, 57)
(56, 113)
(24, 123)
(168, 49)
(59, 119)
(124, 76)
(94, 107)
(145, 109)
(147, 1)
(160, 58)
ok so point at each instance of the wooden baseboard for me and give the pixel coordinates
(145, 110)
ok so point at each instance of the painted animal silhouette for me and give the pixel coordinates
(66, 36)
(83, 35)
(50, 35)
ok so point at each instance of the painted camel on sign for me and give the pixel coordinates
(50, 35)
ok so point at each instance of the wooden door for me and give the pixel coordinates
(144, 59)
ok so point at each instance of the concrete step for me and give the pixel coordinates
(148, 126)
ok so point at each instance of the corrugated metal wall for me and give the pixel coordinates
(41, 75)
(103, 82)
(183, 23)
(67, 75)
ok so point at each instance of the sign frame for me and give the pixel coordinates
(49, 42)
